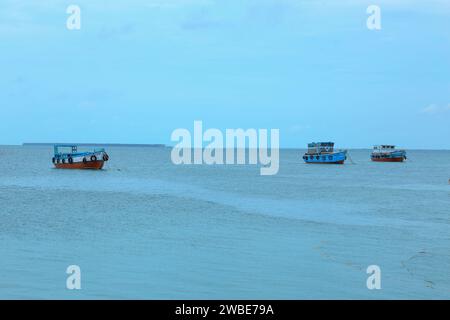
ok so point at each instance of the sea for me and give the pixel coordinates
(144, 228)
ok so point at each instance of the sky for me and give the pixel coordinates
(137, 70)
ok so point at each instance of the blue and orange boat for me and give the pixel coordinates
(323, 152)
(387, 153)
(78, 160)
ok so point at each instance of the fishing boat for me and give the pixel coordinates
(78, 160)
(323, 152)
(387, 153)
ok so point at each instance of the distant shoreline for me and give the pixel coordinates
(28, 144)
(160, 145)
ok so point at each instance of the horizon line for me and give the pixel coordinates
(24, 144)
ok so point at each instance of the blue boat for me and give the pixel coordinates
(323, 152)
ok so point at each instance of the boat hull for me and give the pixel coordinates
(326, 158)
(328, 162)
(93, 165)
(388, 159)
(395, 156)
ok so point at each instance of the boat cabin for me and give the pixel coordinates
(57, 147)
(384, 147)
(70, 151)
(320, 147)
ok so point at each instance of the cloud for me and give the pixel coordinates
(201, 19)
(192, 24)
(177, 3)
(435, 109)
(297, 128)
(107, 32)
(268, 13)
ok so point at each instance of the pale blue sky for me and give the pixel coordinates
(137, 70)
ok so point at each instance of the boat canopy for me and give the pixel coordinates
(319, 147)
(384, 146)
(56, 147)
(320, 144)
(74, 150)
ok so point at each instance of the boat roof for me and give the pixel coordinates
(321, 144)
(385, 146)
(65, 145)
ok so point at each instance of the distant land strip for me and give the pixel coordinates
(25, 144)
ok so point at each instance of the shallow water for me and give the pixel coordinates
(145, 228)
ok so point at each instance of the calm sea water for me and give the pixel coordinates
(145, 228)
